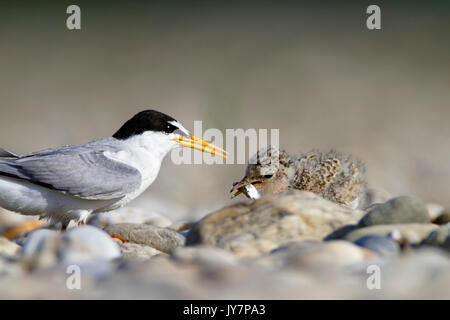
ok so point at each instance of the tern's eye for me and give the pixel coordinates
(169, 128)
(268, 176)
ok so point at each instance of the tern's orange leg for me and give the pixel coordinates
(116, 236)
(24, 227)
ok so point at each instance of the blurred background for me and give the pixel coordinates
(313, 71)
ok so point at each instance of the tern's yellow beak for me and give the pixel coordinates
(202, 145)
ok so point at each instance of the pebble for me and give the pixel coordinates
(87, 243)
(10, 219)
(297, 246)
(180, 226)
(205, 256)
(45, 248)
(439, 237)
(252, 228)
(434, 210)
(383, 246)
(341, 232)
(98, 269)
(412, 233)
(40, 248)
(160, 221)
(328, 255)
(130, 215)
(422, 273)
(278, 257)
(264, 249)
(162, 239)
(403, 209)
(443, 218)
(395, 235)
(137, 251)
(9, 268)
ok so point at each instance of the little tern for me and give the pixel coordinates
(73, 182)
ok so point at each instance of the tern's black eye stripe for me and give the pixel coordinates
(148, 120)
(170, 128)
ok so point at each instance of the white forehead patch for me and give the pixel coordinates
(180, 126)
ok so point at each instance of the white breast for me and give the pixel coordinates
(145, 153)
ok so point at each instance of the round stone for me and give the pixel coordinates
(397, 210)
(383, 246)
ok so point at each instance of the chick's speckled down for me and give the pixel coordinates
(332, 175)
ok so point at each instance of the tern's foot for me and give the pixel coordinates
(116, 236)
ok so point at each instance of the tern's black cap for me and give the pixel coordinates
(147, 120)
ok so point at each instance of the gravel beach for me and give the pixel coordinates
(292, 245)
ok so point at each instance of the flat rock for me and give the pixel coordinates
(162, 239)
(137, 251)
(253, 228)
(413, 233)
(403, 209)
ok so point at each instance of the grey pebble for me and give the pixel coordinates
(162, 239)
(403, 209)
(384, 246)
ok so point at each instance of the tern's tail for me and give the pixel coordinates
(7, 154)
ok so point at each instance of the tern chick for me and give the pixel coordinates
(73, 182)
(332, 175)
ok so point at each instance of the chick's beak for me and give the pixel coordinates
(239, 187)
(202, 145)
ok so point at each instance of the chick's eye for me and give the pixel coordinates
(268, 176)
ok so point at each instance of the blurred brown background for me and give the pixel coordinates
(313, 71)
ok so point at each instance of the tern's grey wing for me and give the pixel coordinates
(80, 172)
(6, 154)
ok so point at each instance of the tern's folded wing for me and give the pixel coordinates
(6, 154)
(86, 174)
